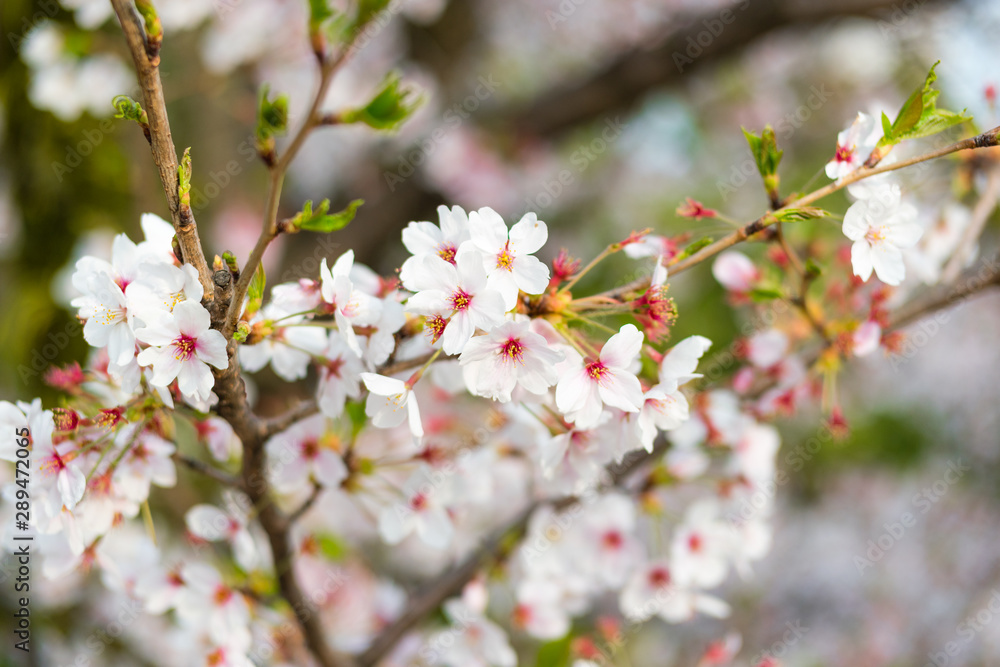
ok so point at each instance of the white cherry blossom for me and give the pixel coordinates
(509, 356)
(881, 226)
(508, 256)
(854, 145)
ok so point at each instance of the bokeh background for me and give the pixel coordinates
(602, 116)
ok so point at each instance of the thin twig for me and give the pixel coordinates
(162, 144)
(220, 476)
(984, 140)
(977, 222)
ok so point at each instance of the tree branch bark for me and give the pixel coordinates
(162, 144)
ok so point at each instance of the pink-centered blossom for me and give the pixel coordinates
(509, 356)
(182, 346)
(607, 380)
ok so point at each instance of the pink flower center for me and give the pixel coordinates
(446, 251)
(310, 449)
(695, 543)
(184, 347)
(612, 540)
(505, 258)
(875, 235)
(435, 327)
(597, 370)
(513, 350)
(844, 154)
(222, 595)
(460, 300)
(333, 366)
(659, 577)
(418, 502)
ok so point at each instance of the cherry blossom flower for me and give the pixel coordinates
(421, 511)
(735, 271)
(880, 227)
(457, 295)
(207, 603)
(854, 145)
(218, 436)
(147, 460)
(866, 338)
(473, 640)
(288, 347)
(163, 286)
(509, 356)
(582, 394)
(182, 345)
(508, 256)
(351, 307)
(390, 401)
(540, 611)
(426, 238)
(665, 407)
(306, 451)
(339, 376)
(58, 467)
(655, 590)
(211, 523)
(653, 245)
(702, 545)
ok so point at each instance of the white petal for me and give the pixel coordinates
(622, 348)
(528, 235)
(861, 259)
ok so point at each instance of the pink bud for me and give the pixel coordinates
(735, 271)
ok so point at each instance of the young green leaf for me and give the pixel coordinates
(767, 156)
(129, 109)
(321, 220)
(367, 10)
(919, 115)
(184, 178)
(694, 247)
(762, 293)
(272, 115)
(256, 290)
(391, 105)
(798, 214)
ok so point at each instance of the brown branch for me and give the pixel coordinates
(220, 476)
(270, 229)
(987, 139)
(973, 281)
(451, 581)
(162, 144)
(977, 222)
(310, 407)
(624, 81)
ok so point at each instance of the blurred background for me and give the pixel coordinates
(601, 116)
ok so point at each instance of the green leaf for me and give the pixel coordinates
(256, 290)
(332, 546)
(798, 214)
(813, 268)
(390, 107)
(356, 412)
(184, 178)
(919, 115)
(765, 150)
(322, 221)
(129, 109)
(694, 247)
(319, 11)
(762, 293)
(555, 653)
(367, 10)
(272, 115)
